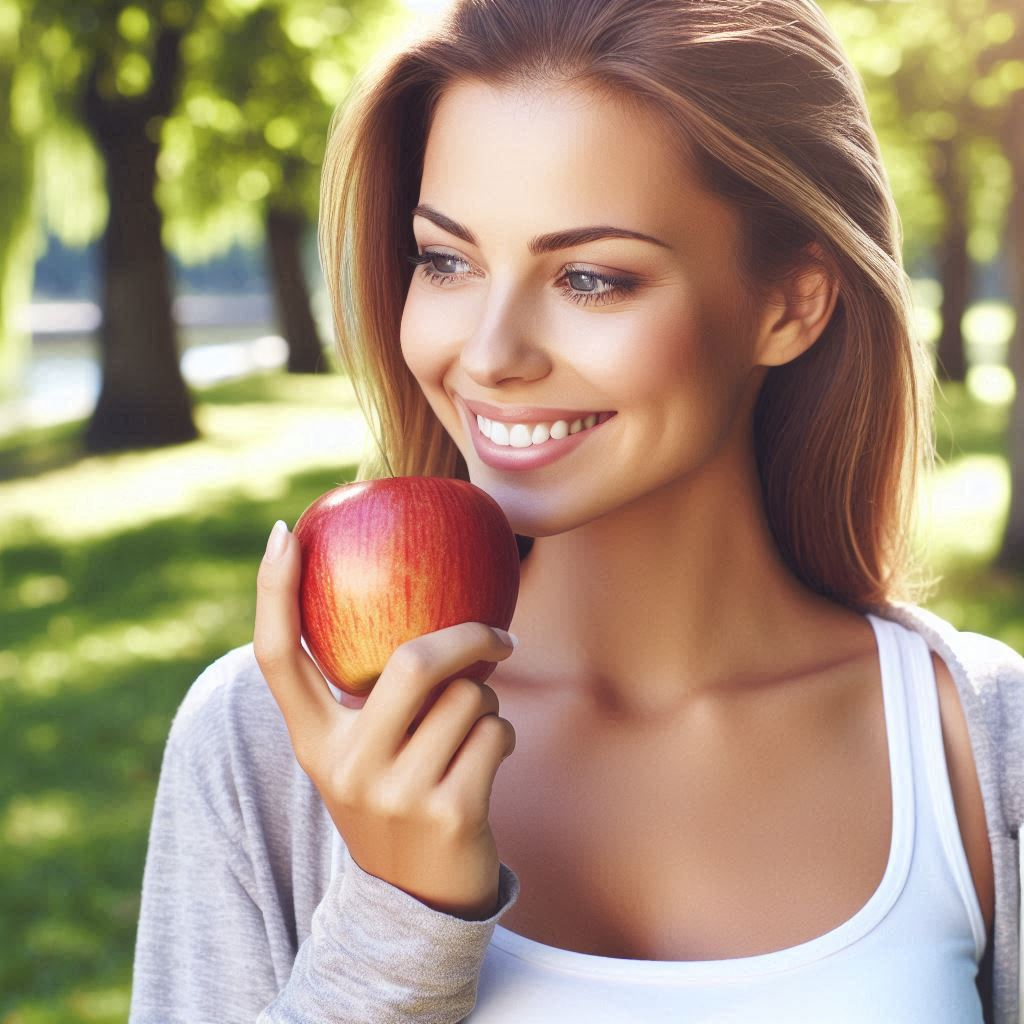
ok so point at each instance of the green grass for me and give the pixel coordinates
(123, 576)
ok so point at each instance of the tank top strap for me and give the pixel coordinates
(933, 771)
(898, 737)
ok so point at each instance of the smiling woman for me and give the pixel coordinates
(788, 172)
(633, 268)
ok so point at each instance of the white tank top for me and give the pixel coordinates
(909, 955)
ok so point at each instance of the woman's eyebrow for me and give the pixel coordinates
(542, 243)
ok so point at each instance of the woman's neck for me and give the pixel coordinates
(678, 592)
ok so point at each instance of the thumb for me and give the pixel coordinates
(295, 681)
(281, 567)
(278, 625)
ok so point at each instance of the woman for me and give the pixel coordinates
(656, 309)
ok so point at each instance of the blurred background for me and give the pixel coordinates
(168, 389)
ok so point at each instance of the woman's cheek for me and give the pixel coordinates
(422, 336)
(433, 323)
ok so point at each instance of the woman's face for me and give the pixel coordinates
(651, 331)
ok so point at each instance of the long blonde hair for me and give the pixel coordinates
(763, 102)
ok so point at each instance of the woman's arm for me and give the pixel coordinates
(234, 855)
(202, 951)
(377, 954)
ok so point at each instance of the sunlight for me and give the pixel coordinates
(183, 632)
(101, 1004)
(963, 508)
(253, 448)
(29, 821)
(994, 385)
(36, 591)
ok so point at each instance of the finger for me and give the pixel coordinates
(297, 684)
(427, 753)
(472, 770)
(413, 670)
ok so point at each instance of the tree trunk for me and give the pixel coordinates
(143, 398)
(294, 311)
(1011, 555)
(953, 260)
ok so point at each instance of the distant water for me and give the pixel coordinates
(221, 339)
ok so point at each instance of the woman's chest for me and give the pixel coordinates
(714, 840)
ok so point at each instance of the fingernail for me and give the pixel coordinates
(509, 639)
(276, 541)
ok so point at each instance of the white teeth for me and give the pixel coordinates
(522, 435)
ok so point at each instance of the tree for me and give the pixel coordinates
(122, 65)
(1008, 63)
(119, 71)
(937, 105)
(143, 397)
(947, 79)
(244, 150)
(285, 229)
(954, 262)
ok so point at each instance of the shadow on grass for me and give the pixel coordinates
(34, 451)
(42, 450)
(90, 678)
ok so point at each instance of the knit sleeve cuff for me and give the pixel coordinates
(420, 946)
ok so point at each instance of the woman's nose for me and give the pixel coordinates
(504, 346)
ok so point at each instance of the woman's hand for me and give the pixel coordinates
(411, 801)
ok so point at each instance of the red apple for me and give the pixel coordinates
(384, 561)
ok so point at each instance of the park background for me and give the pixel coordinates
(169, 389)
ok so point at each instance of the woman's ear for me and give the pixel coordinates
(797, 311)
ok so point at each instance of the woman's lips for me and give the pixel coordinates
(506, 457)
(525, 413)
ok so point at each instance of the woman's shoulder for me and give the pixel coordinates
(993, 670)
(229, 744)
(229, 702)
(989, 677)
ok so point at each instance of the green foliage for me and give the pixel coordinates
(66, 40)
(21, 116)
(261, 80)
(935, 72)
(71, 185)
(264, 78)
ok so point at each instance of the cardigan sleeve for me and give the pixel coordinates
(207, 949)
(376, 954)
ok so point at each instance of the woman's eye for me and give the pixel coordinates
(590, 288)
(444, 263)
(590, 282)
(436, 266)
(587, 287)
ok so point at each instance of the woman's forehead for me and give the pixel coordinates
(559, 157)
(505, 119)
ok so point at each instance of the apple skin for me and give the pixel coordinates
(385, 561)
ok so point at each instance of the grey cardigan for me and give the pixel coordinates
(241, 920)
